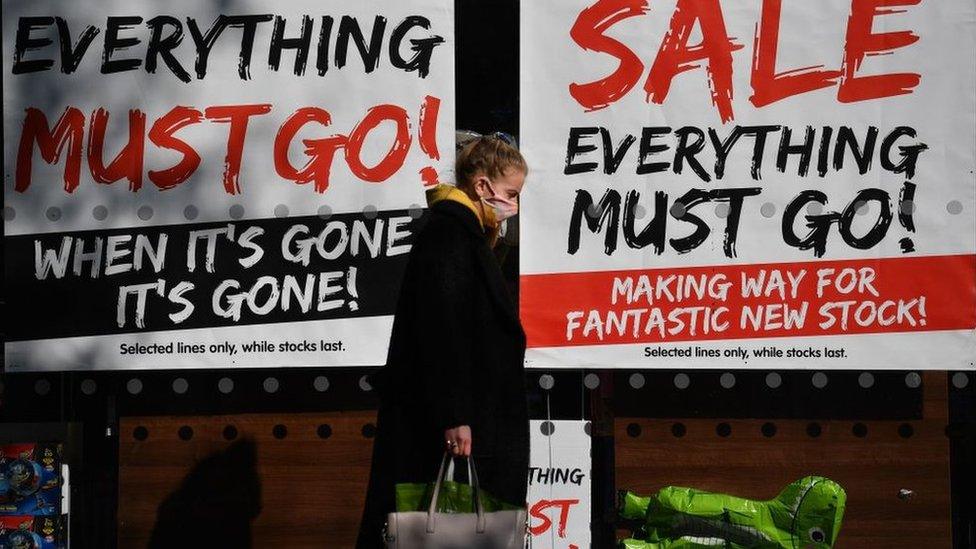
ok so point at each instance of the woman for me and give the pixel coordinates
(454, 377)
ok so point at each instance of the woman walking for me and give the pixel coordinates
(454, 376)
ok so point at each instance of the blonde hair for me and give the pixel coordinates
(489, 155)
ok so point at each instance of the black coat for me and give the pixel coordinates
(456, 358)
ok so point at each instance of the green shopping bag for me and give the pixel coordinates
(455, 497)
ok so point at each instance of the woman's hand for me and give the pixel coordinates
(458, 440)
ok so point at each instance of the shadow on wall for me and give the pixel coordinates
(214, 505)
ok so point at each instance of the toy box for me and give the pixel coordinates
(31, 532)
(31, 479)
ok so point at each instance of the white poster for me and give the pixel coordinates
(201, 184)
(749, 183)
(559, 484)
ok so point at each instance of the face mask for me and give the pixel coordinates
(503, 207)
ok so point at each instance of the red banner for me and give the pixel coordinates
(750, 301)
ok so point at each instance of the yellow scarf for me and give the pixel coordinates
(449, 192)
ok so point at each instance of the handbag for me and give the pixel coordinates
(454, 497)
(432, 529)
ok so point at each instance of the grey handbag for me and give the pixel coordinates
(478, 530)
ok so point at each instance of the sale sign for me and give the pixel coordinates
(755, 184)
(232, 184)
(559, 484)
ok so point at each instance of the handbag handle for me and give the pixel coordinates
(475, 492)
(449, 475)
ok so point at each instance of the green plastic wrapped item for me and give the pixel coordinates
(806, 514)
(455, 497)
